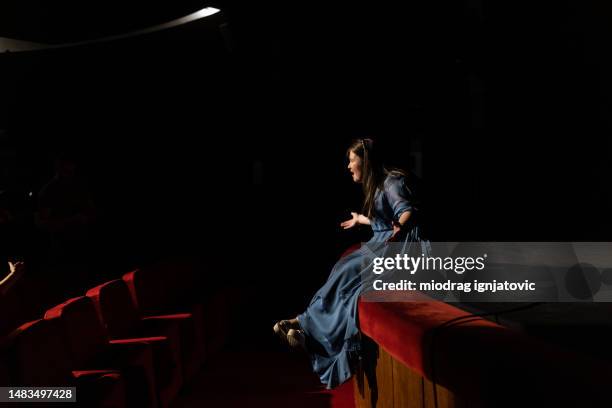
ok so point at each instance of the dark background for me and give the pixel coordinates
(232, 146)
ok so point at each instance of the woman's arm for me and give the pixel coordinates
(363, 220)
(404, 218)
(399, 198)
(356, 220)
(397, 226)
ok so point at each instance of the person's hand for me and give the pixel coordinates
(397, 228)
(16, 267)
(352, 222)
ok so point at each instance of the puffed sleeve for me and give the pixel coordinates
(398, 195)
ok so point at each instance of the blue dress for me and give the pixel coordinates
(330, 322)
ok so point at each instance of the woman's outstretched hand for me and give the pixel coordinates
(352, 222)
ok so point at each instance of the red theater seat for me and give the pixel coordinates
(37, 357)
(148, 294)
(175, 287)
(89, 347)
(123, 323)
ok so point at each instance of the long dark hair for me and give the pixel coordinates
(373, 171)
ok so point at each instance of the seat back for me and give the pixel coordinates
(147, 290)
(115, 307)
(82, 329)
(39, 356)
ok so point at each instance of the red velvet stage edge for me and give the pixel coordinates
(474, 355)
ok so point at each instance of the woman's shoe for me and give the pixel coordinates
(281, 328)
(296, 338)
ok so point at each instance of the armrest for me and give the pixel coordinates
(169, 317)
(166, 354)
(93, 375)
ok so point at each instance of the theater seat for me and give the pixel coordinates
(188, 289)
(176, 286)
(116, 310)
(37, 357)
(89, 347)
(149, 296)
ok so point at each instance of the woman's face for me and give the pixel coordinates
(354, 167)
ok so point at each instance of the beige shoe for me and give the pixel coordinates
(281, 328)
(296, 338)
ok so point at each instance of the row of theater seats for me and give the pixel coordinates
(129, 342)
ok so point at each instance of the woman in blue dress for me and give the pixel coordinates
(328, 329)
